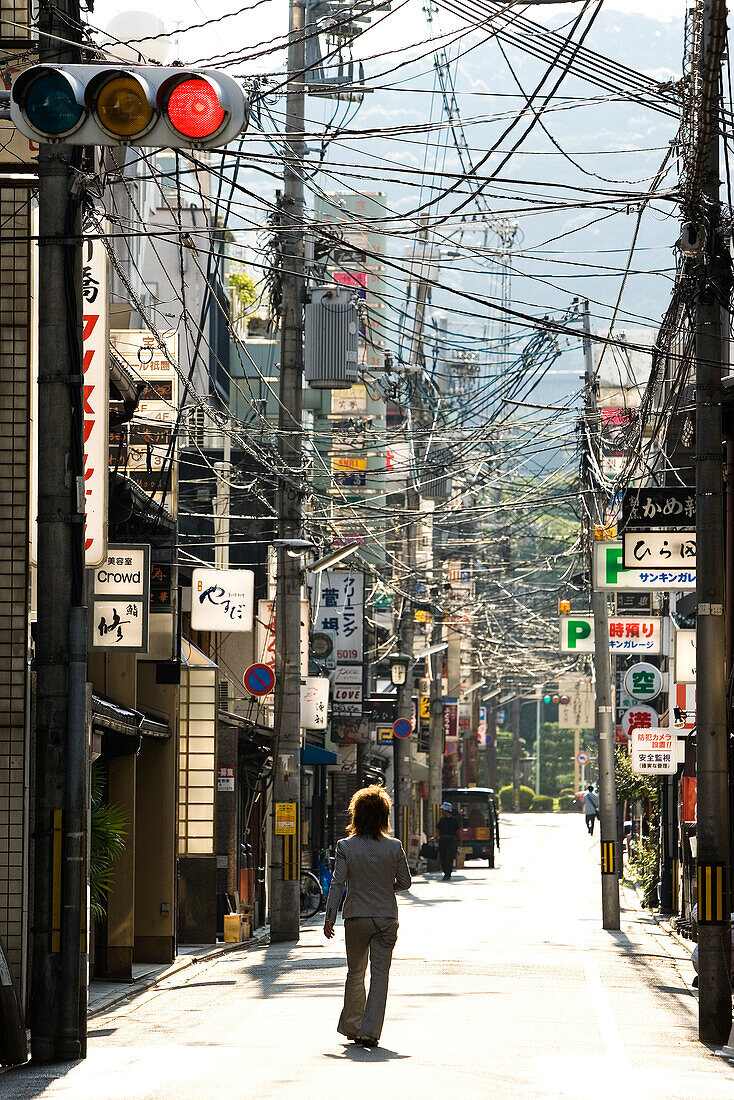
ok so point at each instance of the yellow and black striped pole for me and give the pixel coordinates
(608, 863)
(712, 907)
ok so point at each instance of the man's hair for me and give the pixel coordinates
(591, 786)
(369, 812)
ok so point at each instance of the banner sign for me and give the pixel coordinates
(450, 718)
(655, 509)
(660, 549)
(579, 713)
(347, 691)
(265, 639)
(610, 573)
(314, 702)
(626, 635)
(222, 599)
(341, 610)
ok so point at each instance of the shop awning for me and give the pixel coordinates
(312, 754)
(117, 718)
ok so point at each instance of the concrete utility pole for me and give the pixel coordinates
(435, 735)
(402, 747)
(59, 973)
(712, 333)
(285, 867)
(516, 753)
(602, 665)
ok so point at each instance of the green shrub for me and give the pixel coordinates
(645, 864)
(567, 802)
(527, 794)
(542, 803)
(566, 790)
(505, 796)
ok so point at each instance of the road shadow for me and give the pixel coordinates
(353, 1052)
(32, 1079)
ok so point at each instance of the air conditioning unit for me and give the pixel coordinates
(331, 351)
(223, 696)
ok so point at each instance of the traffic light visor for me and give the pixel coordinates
(122, 105)
(52, 102)
(193, 108)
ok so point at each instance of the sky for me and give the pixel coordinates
(270, 19)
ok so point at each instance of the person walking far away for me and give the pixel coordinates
(447, 832)
(373, 867)
(591, 808)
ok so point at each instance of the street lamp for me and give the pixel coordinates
(399, 668)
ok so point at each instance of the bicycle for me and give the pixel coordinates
(312, 896)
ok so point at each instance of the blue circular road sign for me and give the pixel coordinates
(401, 728)
(259, 679)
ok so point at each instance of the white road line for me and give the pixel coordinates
(614, 1047)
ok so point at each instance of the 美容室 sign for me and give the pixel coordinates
(610, 573)
(120, 600)
(660, 549)
(222, 599)
(626, 635)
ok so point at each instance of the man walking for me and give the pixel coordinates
(591, 808)
(447, 834)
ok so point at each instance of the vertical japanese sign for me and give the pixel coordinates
(95, 335)
(341, 610)
(265, 640)
(96, 400)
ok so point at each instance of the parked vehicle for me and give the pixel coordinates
(476, 809)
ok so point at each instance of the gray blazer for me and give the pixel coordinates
(371, 870)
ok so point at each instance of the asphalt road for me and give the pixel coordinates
(503, 985)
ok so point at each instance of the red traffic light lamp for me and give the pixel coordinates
(146, 105)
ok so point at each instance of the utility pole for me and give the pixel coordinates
(602, 665)
(285, 870)
(516, 753)
(538, 701)
(59, 933)
(402, 747)
(435, 735)
(713, 287)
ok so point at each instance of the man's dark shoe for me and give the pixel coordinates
(367, 1041)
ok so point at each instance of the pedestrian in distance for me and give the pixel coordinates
(447, 834)
(591, 808)
(373, 867)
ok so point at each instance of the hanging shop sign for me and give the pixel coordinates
(341, 610)
(314, 702)
(383, 735)
(579, 713)
(323, 648)
(265, 639)
(222, 599)
(626, 635)
(120, 601)
(643, 681)
(654, 751)
(660, 549)
(347, 698)
(146, 449)
(658, 509)
(685, 656)
(451, 718)
(610, 572)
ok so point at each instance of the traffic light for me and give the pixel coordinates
(172, 108)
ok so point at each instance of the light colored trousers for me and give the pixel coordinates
(373, 939)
